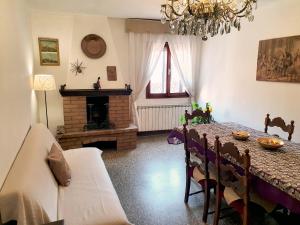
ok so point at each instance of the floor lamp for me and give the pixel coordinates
(43, 82)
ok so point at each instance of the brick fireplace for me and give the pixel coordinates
(93, 116)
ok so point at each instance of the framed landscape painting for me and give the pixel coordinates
(49, 52)
(279, 60)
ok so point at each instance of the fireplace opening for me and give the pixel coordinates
(97, 113)
(103, 145)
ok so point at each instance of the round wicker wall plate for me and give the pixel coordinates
(93, 46)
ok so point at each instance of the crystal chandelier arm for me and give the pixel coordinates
(235, 12)
(225, 15)
(173, 11)
(189, 8)
(244, 8)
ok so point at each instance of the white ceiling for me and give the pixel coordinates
(148, 9)
(113, 8)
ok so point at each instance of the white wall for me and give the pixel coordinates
(121, 41)
(18, 101)
(228, 70)
(60, 27)
(84, 25)
(70, 29)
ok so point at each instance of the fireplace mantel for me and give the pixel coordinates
(111, 122)
(94, 93)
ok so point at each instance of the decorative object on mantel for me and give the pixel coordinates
(279, 60)
(111, 73)
(63, 87)
(93, 46)
(43, 82)
(127, 87)
(97, 85)
(204, 17)
(77, 67)
(49, 52)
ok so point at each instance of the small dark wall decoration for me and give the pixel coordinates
(77, 67)
(279, 60)
(111, 73)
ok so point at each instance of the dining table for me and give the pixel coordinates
(275, 174)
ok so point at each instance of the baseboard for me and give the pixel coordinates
(150, 133)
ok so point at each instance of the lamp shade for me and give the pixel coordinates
(44, 82)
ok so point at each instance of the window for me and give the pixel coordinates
(165, 82)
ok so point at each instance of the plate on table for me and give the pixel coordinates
(270, 143)
(241, 135)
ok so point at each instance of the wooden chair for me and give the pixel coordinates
(193, 171)
(279, 122)
(236, 192)
(196, 113)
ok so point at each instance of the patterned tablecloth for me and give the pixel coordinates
(280, 168)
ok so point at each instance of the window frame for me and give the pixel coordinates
(168, 93)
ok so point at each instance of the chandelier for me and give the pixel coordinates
(206, 17)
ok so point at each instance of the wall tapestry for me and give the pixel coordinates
(49, 52)
(279, 60)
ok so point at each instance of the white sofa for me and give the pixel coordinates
(32, 196)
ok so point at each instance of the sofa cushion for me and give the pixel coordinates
(30, 192)
(59, 165)
(90, 199)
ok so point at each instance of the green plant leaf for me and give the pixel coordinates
(182, 119)
(195, 105)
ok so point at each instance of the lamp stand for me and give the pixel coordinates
(46, 108)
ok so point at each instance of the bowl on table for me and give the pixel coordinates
(271, 143)
(241, 135)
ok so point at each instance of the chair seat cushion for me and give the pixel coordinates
(230, 195)
(233, 200)
(199, 177)
(267, 205)
(236, 202)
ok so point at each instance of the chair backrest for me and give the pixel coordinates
(192, 135)
(195, 113)
(279, 122)
(228, 175)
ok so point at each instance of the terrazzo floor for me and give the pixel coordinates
(150, 183)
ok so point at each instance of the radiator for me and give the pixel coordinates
(160, 117)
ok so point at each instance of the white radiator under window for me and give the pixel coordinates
(160, 117)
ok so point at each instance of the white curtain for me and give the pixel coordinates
(144, 52)
(185, 51)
